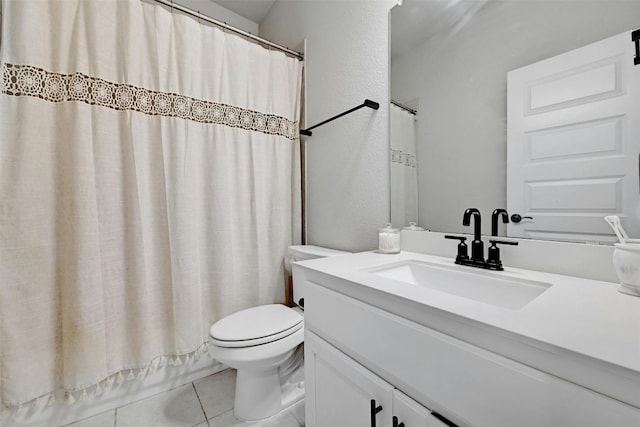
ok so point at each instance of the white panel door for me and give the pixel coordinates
(573, 142)
(341, 392)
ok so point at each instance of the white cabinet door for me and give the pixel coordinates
(340, 392)
(409, 413)
(573, 138)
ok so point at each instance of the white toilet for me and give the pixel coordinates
(264, 344)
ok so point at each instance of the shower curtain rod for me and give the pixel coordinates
(409, 110)
(197, 14)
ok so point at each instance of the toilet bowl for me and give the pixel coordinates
(264, 344)
(256, 342)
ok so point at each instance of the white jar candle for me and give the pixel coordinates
(389, 240)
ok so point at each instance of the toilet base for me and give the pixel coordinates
(260, 395)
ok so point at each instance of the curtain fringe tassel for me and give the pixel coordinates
(98, 391)
(109, 383)
(68, 397)
(142, 373)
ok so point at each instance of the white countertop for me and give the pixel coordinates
(577, 319)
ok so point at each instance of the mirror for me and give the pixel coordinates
(449, 62)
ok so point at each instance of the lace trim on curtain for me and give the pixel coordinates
(26, 80)
(102, 386)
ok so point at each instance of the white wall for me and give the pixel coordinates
(406, 70)
(215, 11)
(347, 60)
(462, 94)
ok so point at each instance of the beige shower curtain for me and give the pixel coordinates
(149, 185)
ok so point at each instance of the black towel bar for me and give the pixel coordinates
(367, 103)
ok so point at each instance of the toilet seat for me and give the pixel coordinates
(255, 326)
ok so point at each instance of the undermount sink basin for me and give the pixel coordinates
(495, 288)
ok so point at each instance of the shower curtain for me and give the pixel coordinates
(149, 185)
(404, 176)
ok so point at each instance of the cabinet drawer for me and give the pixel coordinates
(472, 386)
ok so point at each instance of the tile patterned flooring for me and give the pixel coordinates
(207, 402)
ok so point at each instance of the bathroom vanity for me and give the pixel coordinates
(415, 339)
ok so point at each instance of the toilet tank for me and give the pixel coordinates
(302, 253)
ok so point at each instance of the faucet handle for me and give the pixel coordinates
(503, 242)
(462, 247)
(493, 257)
(451, 236)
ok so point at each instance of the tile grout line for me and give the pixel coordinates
(193, 384)
(153, 396)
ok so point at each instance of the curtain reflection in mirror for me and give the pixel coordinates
(404, 177)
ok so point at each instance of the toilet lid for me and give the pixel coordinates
(257, 325)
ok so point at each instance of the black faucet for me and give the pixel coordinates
(493, 261)
(477, 246)
(494, 220)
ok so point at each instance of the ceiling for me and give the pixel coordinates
(411, 24)
(417, 20)
(254, 10)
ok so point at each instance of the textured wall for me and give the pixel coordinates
(462, 85)
(347, 60)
